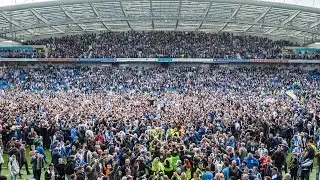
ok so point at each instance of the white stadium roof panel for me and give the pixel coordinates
(308, 3)
(297, 18)
(198, 9)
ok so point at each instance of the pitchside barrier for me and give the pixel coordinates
(162, 60)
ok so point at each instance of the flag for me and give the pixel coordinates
(291, 94)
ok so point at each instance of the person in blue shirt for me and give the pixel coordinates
(73, 133)
(251, 161)
(41, 151)
(208, 175)
(236, 158)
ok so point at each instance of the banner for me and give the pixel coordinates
(191, 60)
(17, 59)
(164, 59)
(56, 59)
(136, 59)
(96, 59)
(304, 61)
(222, 60)
(291, 94)
(269, 60)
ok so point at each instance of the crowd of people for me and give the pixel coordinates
(163, 44)
(163, 123)
(21, 54)
(160, 44)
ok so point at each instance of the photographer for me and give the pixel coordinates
(51, 173)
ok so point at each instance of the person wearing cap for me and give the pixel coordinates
(51, 173)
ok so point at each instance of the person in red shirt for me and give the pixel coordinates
(264, 161)
(99, 137)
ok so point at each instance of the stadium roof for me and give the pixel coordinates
(268, 18)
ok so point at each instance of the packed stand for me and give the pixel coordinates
(160, 123)
(162, 44)
(22, 53)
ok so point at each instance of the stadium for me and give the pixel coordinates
(160, 89)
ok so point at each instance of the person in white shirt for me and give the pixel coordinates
(262, 150)
(13, 167)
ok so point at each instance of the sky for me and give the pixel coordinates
(309, 3)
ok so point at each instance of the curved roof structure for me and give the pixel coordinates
(273, 17)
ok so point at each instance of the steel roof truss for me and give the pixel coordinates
(124, 14)
(151, 11)
(233, 14)
(179, 11)
(284, 22)
(43, 19)
(70, 16)
(259, 18)
(15, 23)
(94, 9)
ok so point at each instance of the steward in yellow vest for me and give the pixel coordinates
(168, 165)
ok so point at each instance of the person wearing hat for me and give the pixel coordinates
(51, 173)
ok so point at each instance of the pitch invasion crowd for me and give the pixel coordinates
(175, 123)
